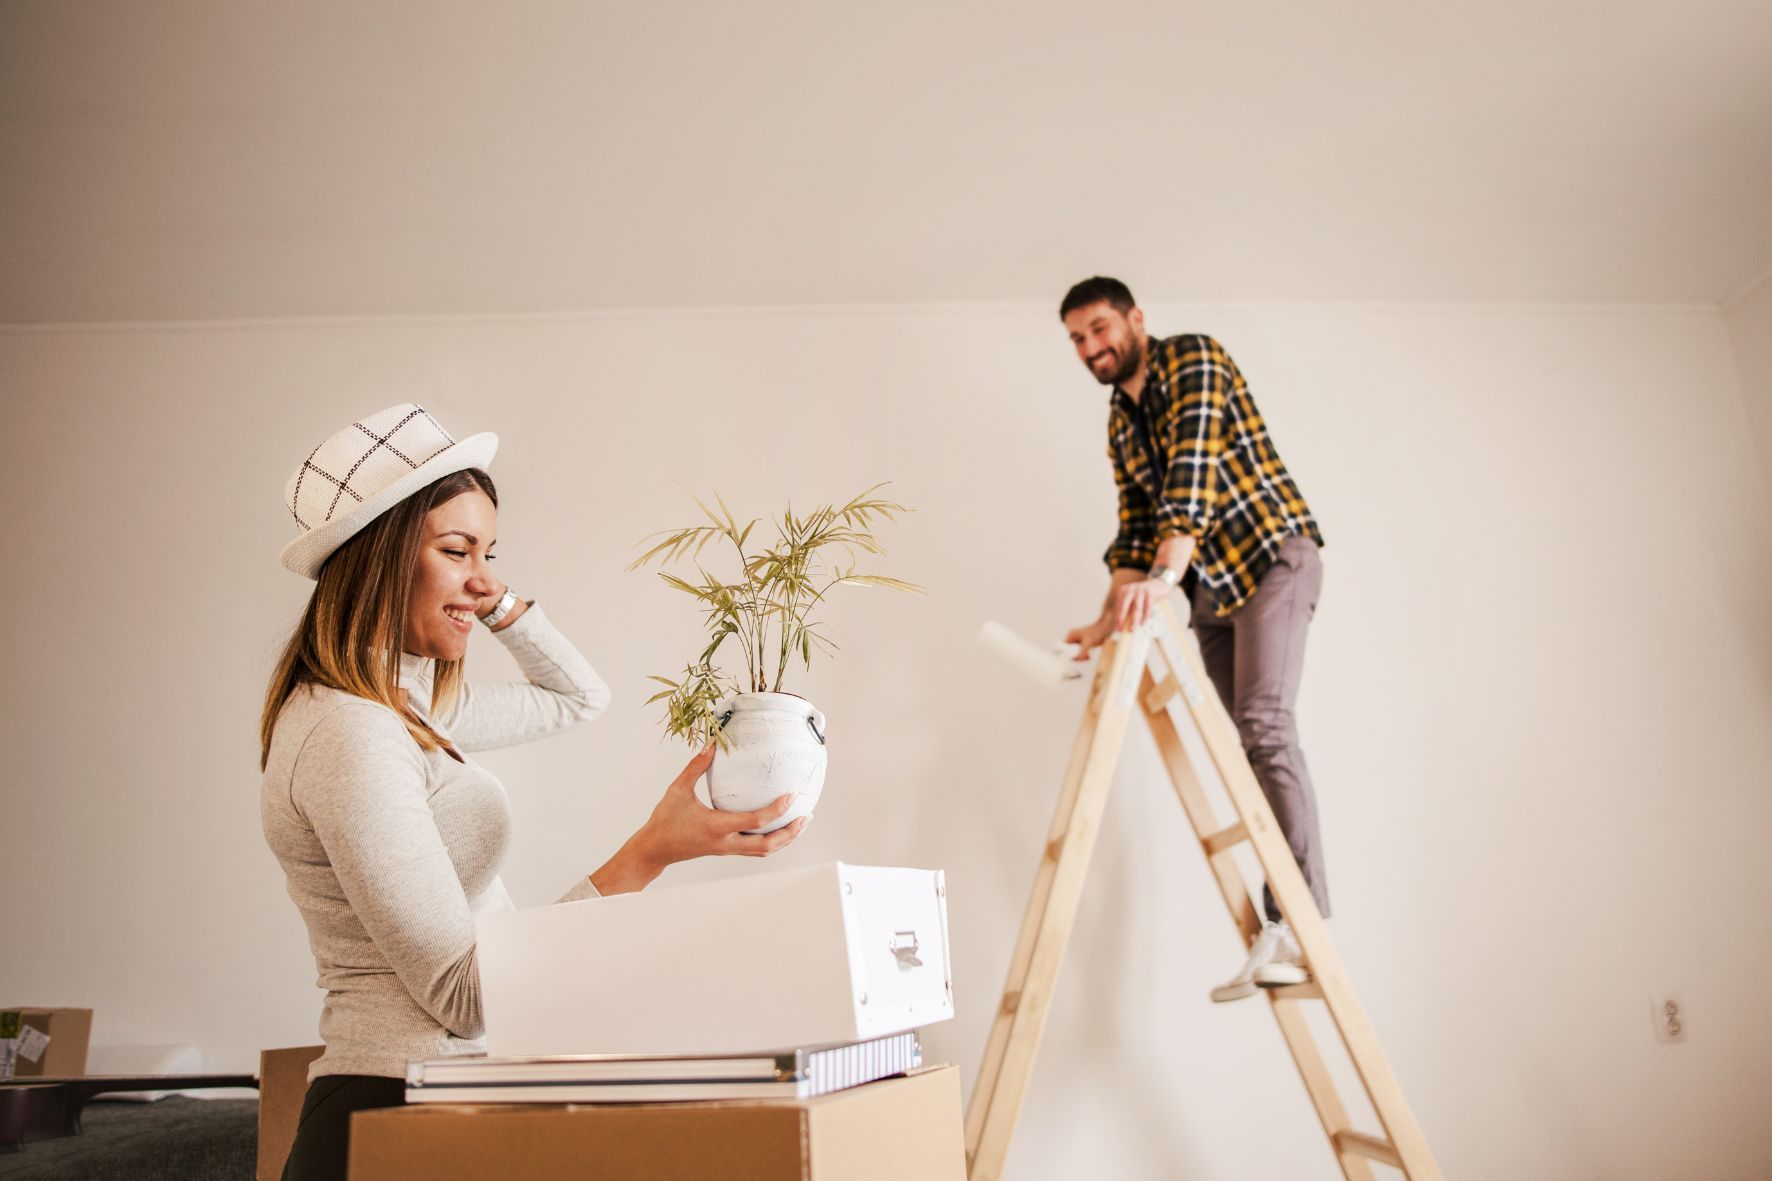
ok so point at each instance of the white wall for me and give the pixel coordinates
(244, 158)
(1749, 319)
(1535, 706)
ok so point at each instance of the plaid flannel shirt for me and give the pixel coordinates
(1193, 456)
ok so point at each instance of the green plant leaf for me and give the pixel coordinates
(769, 608)
(718, 523)
(881, 580)
(661, 547)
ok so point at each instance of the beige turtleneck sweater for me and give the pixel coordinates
(390, 850)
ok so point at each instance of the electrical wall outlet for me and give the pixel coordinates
(1669, 1015)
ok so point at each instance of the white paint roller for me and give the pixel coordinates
(1051, 669)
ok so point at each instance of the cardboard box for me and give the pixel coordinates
(892, 1130)
(800, 957)
(282, 1085)
(47, 1043)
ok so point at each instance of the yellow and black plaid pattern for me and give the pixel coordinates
(1193, 456)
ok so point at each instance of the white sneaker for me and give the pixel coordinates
(1267, 945)
(1287, 965)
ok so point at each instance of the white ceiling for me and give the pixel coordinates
(221, 159)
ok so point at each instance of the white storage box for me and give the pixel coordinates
(801, 957)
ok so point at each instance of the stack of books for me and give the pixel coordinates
(631, 1078)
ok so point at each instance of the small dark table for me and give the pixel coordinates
(45, 1108)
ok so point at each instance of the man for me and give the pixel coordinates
(1206, 504)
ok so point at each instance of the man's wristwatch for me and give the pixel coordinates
(1166, 574)
(495, 616)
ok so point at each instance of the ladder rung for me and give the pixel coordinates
(1219, 841)
(1310, 990)
(1161, 694)
(1370, 1147)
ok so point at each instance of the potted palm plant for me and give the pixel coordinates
(769, 741)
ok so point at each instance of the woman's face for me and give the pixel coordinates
(451, 577)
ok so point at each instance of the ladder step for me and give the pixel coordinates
(1370, 1147)
(1219, 841)
(1161, 694)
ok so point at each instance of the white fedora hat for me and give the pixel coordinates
(365, 470)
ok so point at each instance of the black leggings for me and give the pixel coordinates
(322, 1138)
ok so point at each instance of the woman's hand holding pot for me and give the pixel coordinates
(682, 828)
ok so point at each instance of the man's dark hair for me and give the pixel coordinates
(1099, 289)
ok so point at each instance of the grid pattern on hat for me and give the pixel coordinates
(358, 462)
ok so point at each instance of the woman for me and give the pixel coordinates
(390, 836)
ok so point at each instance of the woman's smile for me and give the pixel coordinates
(451, 576)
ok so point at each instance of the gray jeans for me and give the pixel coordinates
(1255, 657)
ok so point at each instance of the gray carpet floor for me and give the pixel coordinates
(172, 1138)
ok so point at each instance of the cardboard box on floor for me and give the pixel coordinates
(282, 1086)
(51, 1043)
(891, 1130)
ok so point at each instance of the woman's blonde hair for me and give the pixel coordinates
(350, 635)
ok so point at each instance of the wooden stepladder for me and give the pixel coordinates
(1124, 680)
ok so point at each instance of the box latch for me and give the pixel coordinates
(904, 949)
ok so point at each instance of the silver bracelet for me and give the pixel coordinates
(1166, 574)
(495, 616)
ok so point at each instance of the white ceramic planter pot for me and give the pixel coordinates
(776, 747)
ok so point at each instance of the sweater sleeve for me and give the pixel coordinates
(562, 689)
(359, 781)
(583, 890)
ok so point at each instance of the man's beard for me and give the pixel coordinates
(1130, 363)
